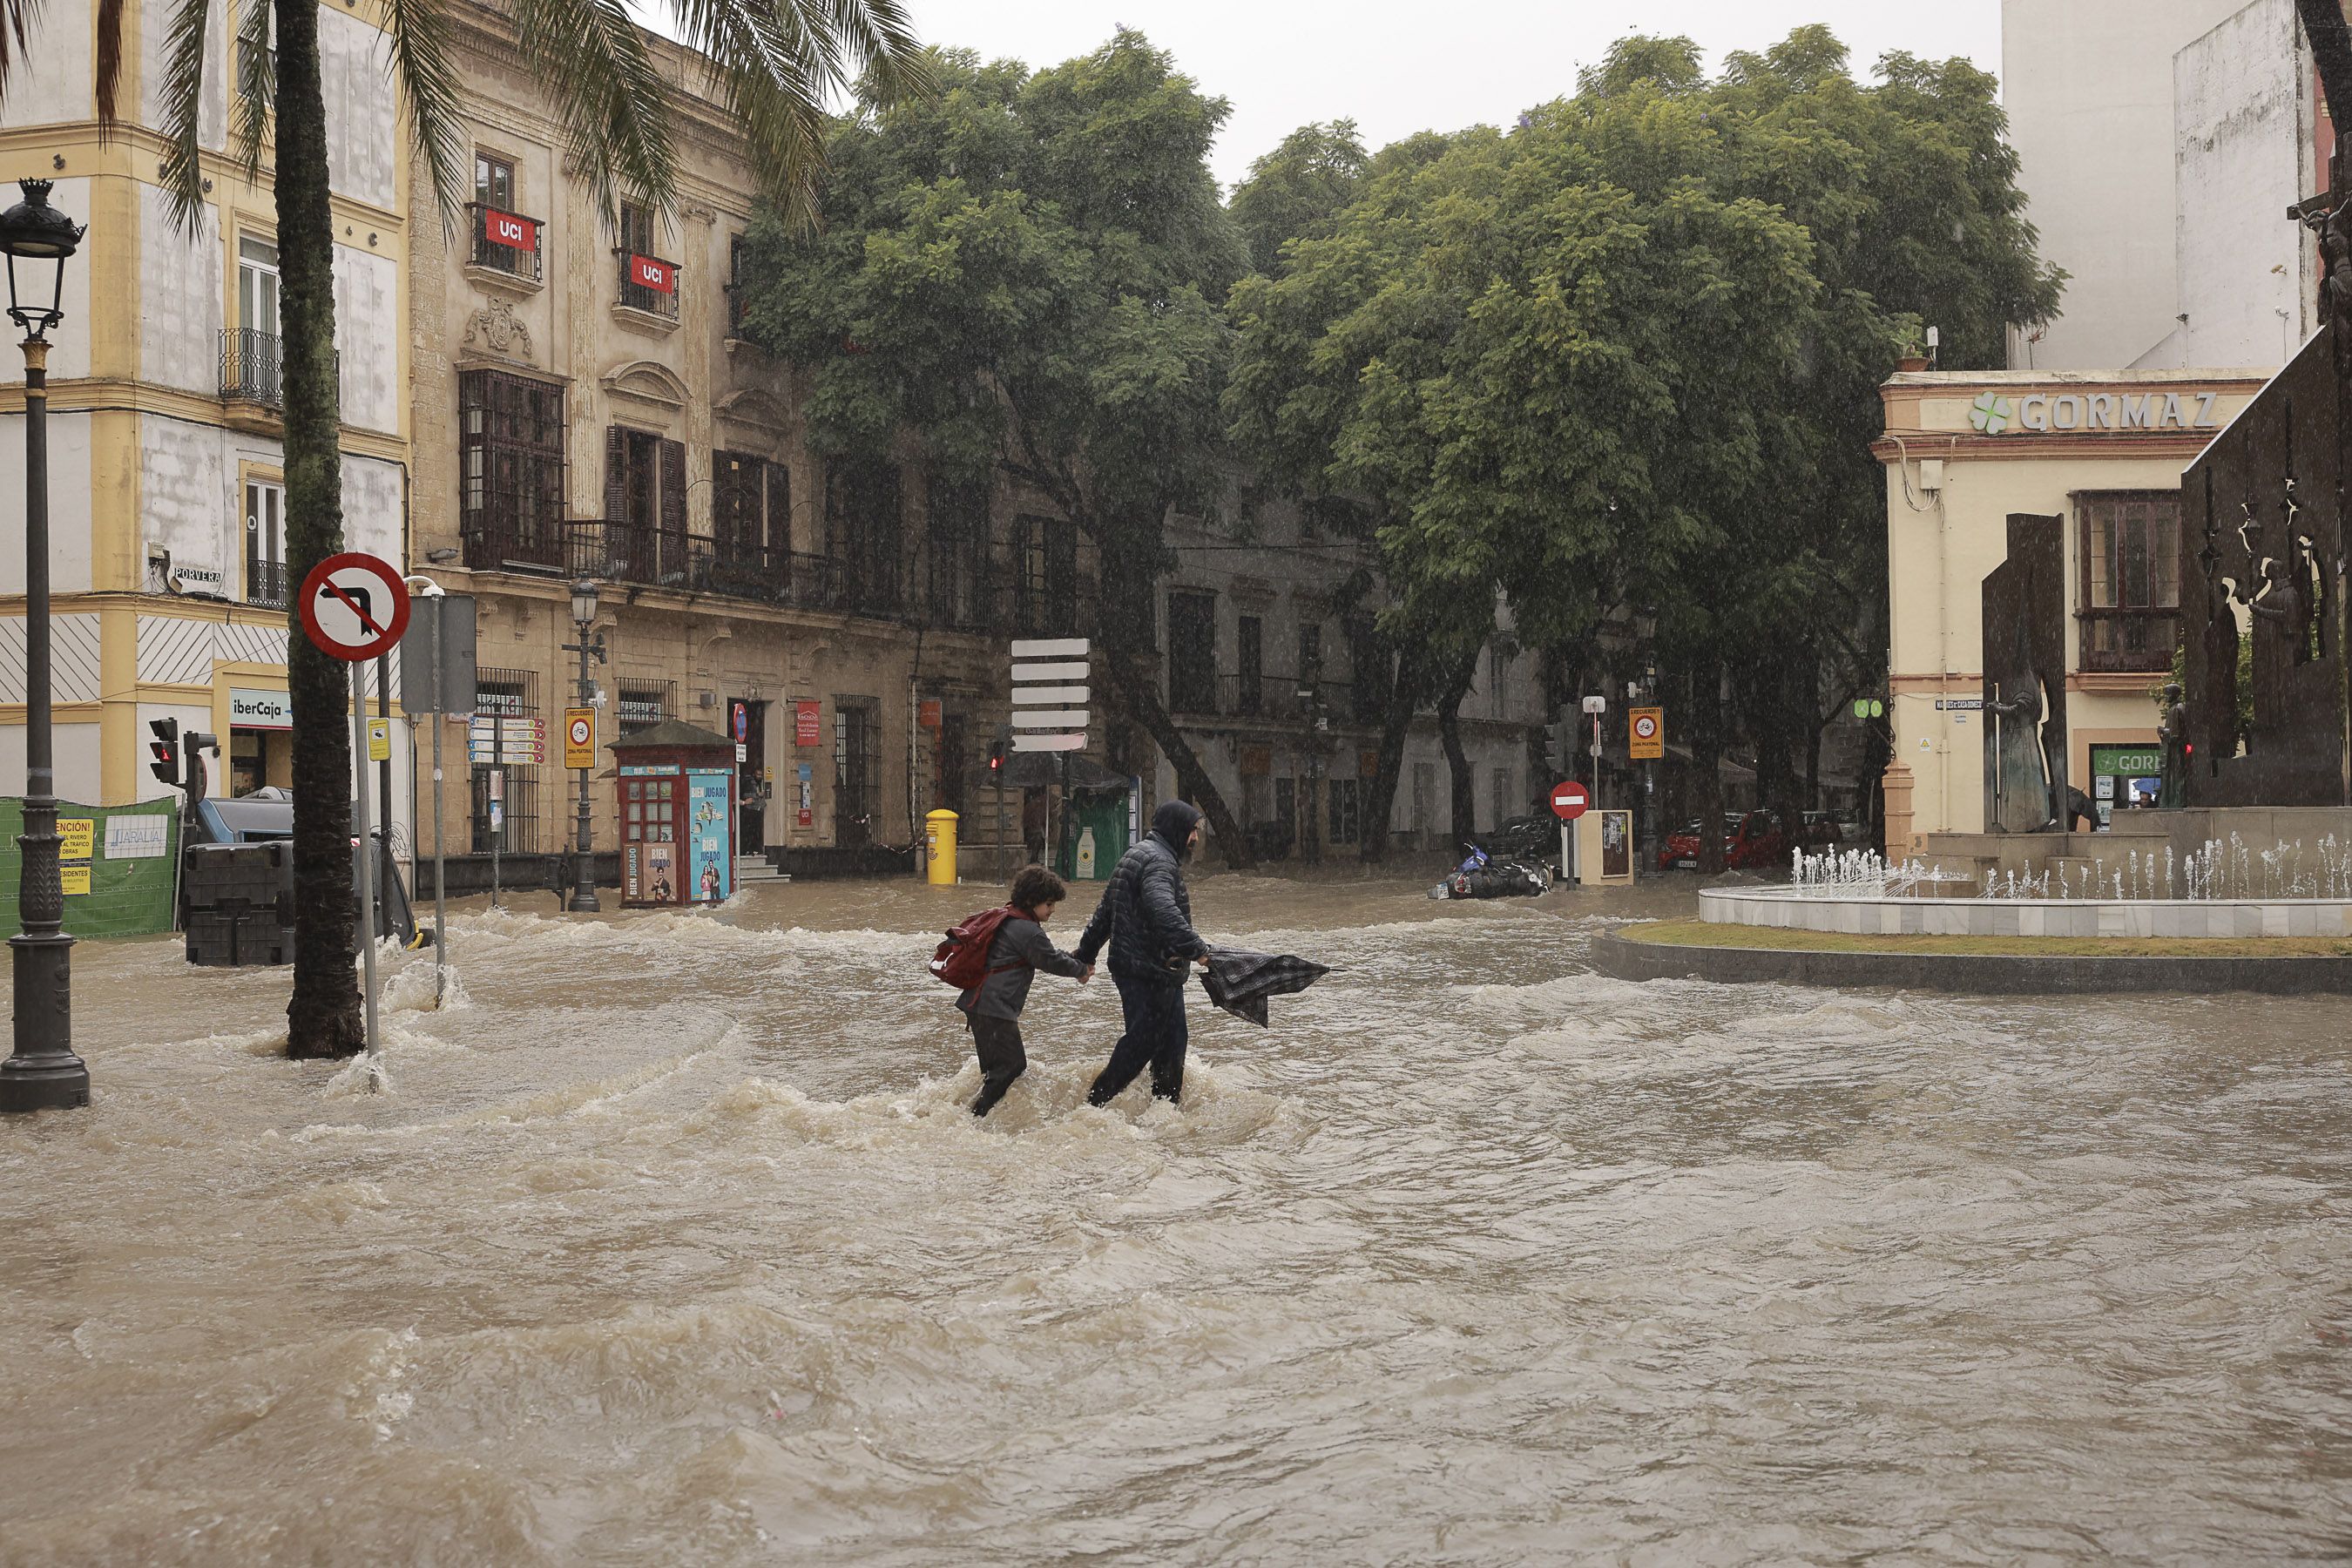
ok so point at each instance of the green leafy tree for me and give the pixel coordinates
(1025, 276)
(1621, 364)
(1294, 191)
(773, 61)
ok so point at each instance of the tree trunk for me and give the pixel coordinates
(1460, 787)
(1137, 689)
(322, 1018)
(1396, 727)
(1706, 758)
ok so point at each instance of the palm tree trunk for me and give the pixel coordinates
(322, 1019)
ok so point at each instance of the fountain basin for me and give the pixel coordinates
(1867, 914)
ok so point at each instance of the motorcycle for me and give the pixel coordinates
(1483, 876)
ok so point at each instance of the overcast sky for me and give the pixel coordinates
(1395, 68)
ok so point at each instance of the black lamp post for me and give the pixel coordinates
(584, 613)
(42, 1071)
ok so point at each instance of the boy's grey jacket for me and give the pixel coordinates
(1023, 945)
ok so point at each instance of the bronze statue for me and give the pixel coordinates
(2173, 732)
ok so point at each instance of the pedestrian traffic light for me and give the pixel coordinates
(997, 750)
(1559, 743)
(166, 749)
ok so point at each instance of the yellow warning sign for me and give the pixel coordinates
(1646, 733)
(379, 739)
(73, 879)
(76, 834)
(580, 737)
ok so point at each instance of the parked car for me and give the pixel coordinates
(1751, 841)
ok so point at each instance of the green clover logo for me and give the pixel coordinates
(1989, 412)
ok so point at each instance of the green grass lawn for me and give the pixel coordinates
(1700, 933)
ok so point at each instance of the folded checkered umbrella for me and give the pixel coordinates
(1240, 981)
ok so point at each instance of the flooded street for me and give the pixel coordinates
(671, 1241)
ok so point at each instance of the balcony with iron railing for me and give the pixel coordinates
(518, 261)
(266, 582)
(251, 366)
(638, 296)
(1270, 698)
(2128, 641)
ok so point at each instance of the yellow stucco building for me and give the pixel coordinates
(166, 500)
(2103, 451)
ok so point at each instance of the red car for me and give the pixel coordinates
(1754, 841)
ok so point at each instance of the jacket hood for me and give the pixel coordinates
(1173, 823)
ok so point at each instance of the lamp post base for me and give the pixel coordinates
(43, 1074)
(583, 902)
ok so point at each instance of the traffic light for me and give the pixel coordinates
(1559, 743)
(997, 749)
(166, 749)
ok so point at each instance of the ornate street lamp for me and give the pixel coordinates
(42, 1071)
(583, 614)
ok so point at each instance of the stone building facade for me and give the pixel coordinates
(166, 494)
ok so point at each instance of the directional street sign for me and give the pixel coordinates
(1048, 694)
(354, 606)
(1569, 800)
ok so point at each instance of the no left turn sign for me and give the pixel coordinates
(354, 606)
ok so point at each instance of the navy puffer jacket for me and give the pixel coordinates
(1146, 914)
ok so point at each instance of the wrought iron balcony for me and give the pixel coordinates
(2129, 640)
(521, 261)
(251, 364)
(638, 296)
(265, 582)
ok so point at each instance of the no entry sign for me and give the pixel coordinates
(355, 607)
(1568, 801)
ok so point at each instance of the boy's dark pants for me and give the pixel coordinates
(997, 1042)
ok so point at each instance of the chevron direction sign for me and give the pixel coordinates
(1049, 694)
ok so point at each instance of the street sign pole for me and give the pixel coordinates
(367, 863)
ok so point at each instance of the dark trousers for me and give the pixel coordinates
(1155, 1035)
(997, 1043)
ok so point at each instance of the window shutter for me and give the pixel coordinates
(673, 486)
(616, 474)
(779, 519)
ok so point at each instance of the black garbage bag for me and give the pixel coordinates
(1240, 981)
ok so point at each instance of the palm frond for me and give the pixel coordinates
(110, 63)
(182, 104)
(257, 87)
(777, 62)
(614, 105)
(429, 82)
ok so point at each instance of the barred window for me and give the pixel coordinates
(510, 467)
(2130, 572)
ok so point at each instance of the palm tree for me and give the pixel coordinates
(773, 62)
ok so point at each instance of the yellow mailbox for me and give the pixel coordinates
(939, 847)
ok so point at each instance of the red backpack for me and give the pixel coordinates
(962, 959)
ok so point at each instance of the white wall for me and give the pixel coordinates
(54, 81)
(73, 750)
(2243, 132)
(367, 338)
(371, 507)
(154, 47)
(2088, 86)
(362, 131)
(69, 511)
(187, 497)
(180, 287)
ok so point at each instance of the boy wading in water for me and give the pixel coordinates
(1020, 948)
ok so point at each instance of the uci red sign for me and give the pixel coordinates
(508, 229)
(1568, 801)
(647, 272)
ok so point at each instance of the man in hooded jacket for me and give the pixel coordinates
(1146, 916)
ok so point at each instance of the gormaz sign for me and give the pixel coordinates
(1995, 415)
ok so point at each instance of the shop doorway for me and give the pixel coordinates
(258, 757)
(746, 721)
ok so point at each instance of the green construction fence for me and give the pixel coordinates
(119, 870)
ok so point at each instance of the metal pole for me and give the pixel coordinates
(42, 1072)
(383, 768)
(440, 891)
(367, 856)
(583, 880)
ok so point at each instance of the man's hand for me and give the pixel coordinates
(1204, 962)
(1088, 973)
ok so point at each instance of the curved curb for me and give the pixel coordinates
(2009, 974)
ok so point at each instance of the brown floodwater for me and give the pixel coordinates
(669, 1240)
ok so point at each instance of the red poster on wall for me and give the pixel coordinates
(808, 728)
(647, 272)
(507, 229)
(927, 714)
